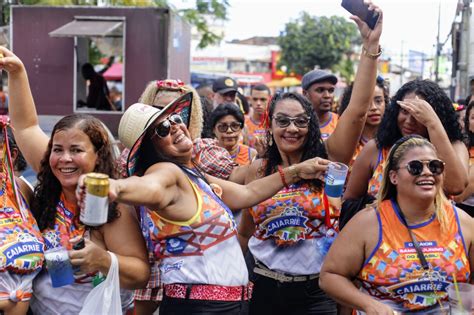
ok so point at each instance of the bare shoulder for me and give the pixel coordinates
(364, 219)
(363, 227)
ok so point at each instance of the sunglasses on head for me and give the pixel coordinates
(285, 121)
(163, 129)
(234, 126)
(415, 167)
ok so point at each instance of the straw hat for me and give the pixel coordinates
(139, 117)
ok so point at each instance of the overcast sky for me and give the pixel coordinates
(412, 21)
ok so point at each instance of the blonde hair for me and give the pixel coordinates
(389, 190)
(153, 92)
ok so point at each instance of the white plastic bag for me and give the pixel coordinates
(104, 299)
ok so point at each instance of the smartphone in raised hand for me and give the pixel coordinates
(360, 9)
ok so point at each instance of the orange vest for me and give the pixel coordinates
(377, 175)
(328, 128)
(21, 243)
(243, 156)
(393, 273)
(292, 215)
(252, 131)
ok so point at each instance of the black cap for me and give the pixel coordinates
(224, 85)
(317, 76)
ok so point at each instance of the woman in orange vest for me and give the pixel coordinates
(227, 122)
(405, 250)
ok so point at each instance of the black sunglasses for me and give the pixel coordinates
(285, 121)
(415, 167)
(234, 126)
(163, 129)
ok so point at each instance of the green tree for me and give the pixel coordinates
(197, 15)
(318, 41)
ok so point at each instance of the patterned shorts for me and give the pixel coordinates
(154, 289)
(16, 287)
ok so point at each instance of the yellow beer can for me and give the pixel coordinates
(96, 204)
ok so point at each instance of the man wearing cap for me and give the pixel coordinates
(318, 86)
(225, 90)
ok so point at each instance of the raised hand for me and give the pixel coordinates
(260, 145)
(314, 168)
(370, 36)
(10, 62)
(420, 109)
(81, 190)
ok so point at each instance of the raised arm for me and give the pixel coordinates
(454, 154)
(237, 196)
(31, 140)
(362, 171)
(157, 189)
(345, 259)
(343, 141)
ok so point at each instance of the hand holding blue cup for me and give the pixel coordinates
(59, 267)
(335, 179)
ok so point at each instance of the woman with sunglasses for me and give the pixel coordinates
(79, 144)
(290, 233)
(191, 229)
(404, 250)
(227, 122)
(419, 107)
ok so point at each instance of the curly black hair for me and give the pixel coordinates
(226, 109)
(48, 191)
(469, 133)
(389, 132)
(313, 146)
(346, 96)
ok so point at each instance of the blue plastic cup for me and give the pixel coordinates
(335, 179)
(59, 267)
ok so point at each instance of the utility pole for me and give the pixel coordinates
(438, 46)
(463, 63)
(401, 65)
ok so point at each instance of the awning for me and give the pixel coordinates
(114, 73)
(89, 28)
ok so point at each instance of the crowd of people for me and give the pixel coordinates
(217, 208)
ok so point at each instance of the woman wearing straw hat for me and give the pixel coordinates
(211, 158)
(409, 247)
(191, 228)
(79, 144)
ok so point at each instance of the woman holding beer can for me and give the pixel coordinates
(79, 144)
(191, 227)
